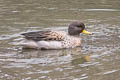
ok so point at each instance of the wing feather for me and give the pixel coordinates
(45, 35)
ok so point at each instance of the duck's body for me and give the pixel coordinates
(55, 39)
(50, 40)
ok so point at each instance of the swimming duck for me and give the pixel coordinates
(55, 39)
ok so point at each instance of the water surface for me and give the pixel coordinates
(97, 59)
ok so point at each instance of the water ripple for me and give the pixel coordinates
(109, 72)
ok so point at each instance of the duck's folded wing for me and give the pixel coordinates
(45, 35)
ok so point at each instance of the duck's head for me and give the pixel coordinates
(75, 28)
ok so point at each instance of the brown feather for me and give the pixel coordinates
(44, 35)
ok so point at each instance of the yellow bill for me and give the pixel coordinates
(86, 32)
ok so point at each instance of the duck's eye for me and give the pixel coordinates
(80, 27)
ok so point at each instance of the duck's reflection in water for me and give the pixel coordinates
(81, 60)
(72, 56)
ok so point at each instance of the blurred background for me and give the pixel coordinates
(97, 59)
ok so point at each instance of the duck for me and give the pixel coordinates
(51, 39)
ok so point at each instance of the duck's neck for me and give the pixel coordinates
(74, 35)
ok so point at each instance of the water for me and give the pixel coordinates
(97, 59)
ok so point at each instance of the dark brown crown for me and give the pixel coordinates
(75, 28)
